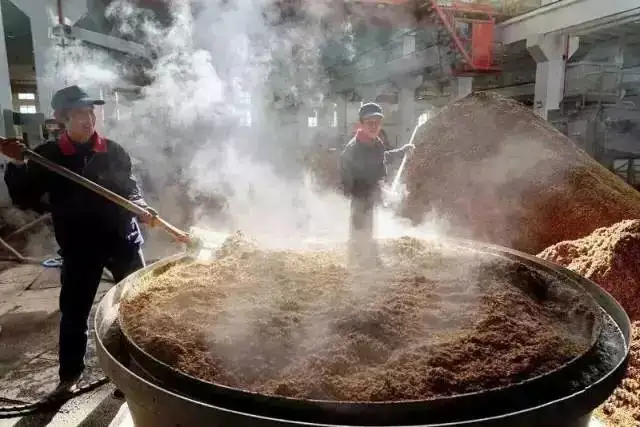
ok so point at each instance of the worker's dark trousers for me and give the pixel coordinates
(363, 250)
(80, 278)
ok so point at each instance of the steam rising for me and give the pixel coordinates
(209, 128)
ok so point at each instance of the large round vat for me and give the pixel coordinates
(160, 396)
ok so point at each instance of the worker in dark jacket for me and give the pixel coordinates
(363, 167)
(92, 232)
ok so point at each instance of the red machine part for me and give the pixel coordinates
(469, 25)
(477, 47)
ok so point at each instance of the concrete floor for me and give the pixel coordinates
(28, 351)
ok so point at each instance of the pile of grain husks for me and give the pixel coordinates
(611, 258)
(302, 324)
(501, 174)
(608, 256)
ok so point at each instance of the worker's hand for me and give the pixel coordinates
(150, 220)
(186, 238)
(12, 148)
(408, 149)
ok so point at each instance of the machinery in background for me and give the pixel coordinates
(470, 31)
(608, 133)
(467, 29)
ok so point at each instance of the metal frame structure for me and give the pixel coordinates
(476, 49)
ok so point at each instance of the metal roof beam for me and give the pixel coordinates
(575, 17)
(103, 40)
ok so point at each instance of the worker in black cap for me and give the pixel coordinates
(92, 232)
(363, 167)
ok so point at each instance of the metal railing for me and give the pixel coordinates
(628, 169)
(598, 79)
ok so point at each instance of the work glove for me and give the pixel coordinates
(408, 149)
(152, 219)
(12, 148)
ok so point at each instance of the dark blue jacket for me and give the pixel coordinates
(364, 164)
(82, 220)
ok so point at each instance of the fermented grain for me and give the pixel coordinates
(499, 173)
(611, 257)
(433, 321)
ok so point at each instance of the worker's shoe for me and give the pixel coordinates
(65, 388)
(118, 394)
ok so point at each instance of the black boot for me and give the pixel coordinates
(66, 387)
(117, 394)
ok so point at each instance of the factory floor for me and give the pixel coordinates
(28, 351)
(28, 360)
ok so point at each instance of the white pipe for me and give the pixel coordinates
(396, 180)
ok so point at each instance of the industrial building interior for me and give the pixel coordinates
(573, 63)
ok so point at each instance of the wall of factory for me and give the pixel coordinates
(334, 131)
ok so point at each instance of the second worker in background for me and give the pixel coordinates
(363, 167)
(93, 233)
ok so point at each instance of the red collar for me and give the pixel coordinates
(68, 147)
(373, 141)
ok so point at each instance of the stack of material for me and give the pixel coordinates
(501, 174)
(611, 258)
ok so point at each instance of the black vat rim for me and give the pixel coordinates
(437, 410)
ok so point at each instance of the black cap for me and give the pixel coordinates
(72, 97)
(370, 109)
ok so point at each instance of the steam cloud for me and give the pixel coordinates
(217, 66)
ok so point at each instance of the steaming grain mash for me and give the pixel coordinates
(433, 321)
(501, 174)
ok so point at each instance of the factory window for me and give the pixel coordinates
(28, 109)
(26, 96)
(312, 121)
(246, 120)
(334, 120)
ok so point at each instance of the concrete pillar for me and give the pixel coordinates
(42, 43)
(407, 107)
(551, 53)
(6, 96)
(302, 123)
(461, 87)
(39, 13)
(6, 102)
(407, 110)
(325, 115)
(341, 108)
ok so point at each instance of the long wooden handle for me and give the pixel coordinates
(104, 192)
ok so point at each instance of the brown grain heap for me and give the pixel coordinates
(608, 256)
(611, 257)
(501, 174)
(301, 324)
